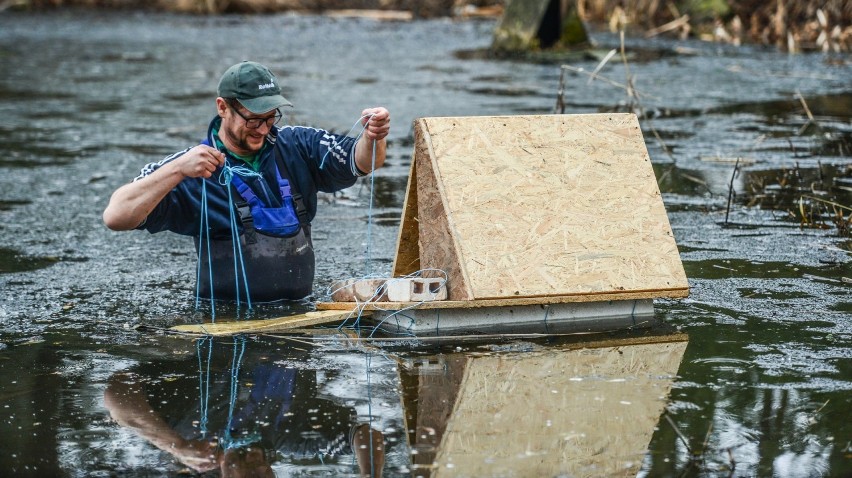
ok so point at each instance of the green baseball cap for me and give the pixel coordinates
(254, 86)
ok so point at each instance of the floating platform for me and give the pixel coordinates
(413, 318)
(532, 219)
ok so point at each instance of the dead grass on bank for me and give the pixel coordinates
(791, 25)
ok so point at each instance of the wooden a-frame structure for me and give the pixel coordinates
(558, 208)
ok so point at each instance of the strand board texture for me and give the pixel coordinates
(583, 413)
(538, 206)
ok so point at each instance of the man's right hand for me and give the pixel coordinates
(200, 162)
(130, 204)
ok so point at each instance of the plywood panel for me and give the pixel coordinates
(407, 258)
(438, 245)
(547, 205)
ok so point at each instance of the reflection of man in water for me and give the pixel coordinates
(272, 411)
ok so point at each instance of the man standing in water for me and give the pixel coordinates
(253, 176)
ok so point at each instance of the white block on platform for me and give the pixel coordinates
(359, 290)
(416, 289)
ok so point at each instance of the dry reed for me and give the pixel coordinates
(793, 25)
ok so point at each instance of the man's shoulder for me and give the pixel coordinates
(300, 132)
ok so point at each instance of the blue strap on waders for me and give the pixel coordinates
(280, 221)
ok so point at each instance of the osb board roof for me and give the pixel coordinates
(550, 205)
(594, 412)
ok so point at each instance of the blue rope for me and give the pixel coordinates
(228, 441)
(204, 383)
(367, 268)
(361, 306)
(396, 315)
(225, 178)
(354, 126)
(202, 235)
(370, 413)
(372, 184)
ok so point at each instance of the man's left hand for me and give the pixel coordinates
(377, 122)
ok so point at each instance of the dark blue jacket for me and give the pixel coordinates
(303, 150)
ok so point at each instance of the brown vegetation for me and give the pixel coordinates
(793, 25)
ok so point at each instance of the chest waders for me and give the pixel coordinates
(276, 247)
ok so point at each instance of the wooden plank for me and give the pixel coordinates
(407, 258)
(380, 15)
(549, 205)
(507, 302)
(267, 325)
(438, 245)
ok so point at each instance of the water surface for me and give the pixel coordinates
(761, 384)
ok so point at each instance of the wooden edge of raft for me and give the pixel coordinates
(265, 325)
(507, 302)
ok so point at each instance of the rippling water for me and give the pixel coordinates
(761, 386)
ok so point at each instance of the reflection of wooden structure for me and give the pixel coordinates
(557, 412)
(532, 210)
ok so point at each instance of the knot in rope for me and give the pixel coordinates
(228, 172)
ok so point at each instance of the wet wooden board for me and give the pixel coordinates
(266, 325)
(541, 206)
(505, 302)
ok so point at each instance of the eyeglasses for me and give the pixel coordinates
(254, 123)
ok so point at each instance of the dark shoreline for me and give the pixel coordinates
(789, 25)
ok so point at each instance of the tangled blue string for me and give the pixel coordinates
(204, 382)
(226, 175)
(225, 178)
(369, 242)
(370, 413)
(368, 254)
(205, 238)
(227, 440)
